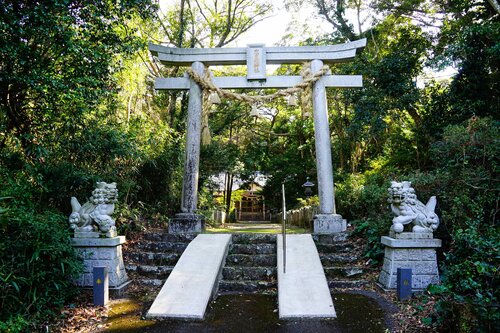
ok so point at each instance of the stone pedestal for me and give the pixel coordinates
(329, 223)
(184, 223)
(410, 250)
(102, 252)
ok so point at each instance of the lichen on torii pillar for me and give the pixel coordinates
(327, 221)
(188, 221)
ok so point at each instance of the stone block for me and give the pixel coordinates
(422, 281)
(411, 243)
(108, 252)
(411, 235)
(420, 259)
(329, 224)
(97, 242)
(87, 234)
(418, 267)
(184, 223)
(86, 254)
(101, 252)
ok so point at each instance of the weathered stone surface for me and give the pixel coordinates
(323, 151)
(410, 211)
(184, 223)
(410, 243)
(164, 247)
(249, 273)
(421, 259)
(259, 248)
(340, 247)
(329, 238)
(158, 272)
(97, 242)
(410, 254)
(417, 267)
(249, 260)
(249, 286)
(152, 258)
(333, 259)
(410, 235)
(343, 272)
(105, 252)
(93, 219)
(336, 284)
(329, 223)
(251, 265)
(254, 238)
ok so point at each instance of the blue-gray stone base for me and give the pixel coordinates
(186, 223)
(102, 252)
(417, 254)
(329, 223)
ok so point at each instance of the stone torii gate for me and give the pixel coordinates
(256, 57)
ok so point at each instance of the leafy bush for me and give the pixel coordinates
(465, 181)
(37, 261)
(363, 200)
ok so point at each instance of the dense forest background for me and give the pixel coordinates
(78, 105)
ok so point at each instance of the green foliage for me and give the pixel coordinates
(363, 200)
(36, 266)
(309, 202)
(468, 297)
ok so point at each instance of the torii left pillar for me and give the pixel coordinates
(188, 221)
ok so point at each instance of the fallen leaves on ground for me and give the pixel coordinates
(81, 316)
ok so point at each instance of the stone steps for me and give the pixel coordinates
(330, 239)
(248, 260)
(151, 271)
(328, 259)
(171, 247)
(163, 236)
(248, 286)
(152, 258)
(341, 247)
(343, 272)
(254, 238)
(258, 248)
(337, 284)
(249, 273)
(338, 257)
(250, 265)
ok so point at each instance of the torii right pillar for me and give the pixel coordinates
(327, 221)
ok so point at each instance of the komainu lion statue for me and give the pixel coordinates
(408, 209)
(95, 214)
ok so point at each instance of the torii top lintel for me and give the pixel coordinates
(272, 55)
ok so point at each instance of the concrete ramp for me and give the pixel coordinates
(193, 280)
(302, 290)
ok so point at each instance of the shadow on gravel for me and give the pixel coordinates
(356, 312)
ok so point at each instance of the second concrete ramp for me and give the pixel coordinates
(302, 290)
(194, 279)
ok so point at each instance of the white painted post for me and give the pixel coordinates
(323, 146)
(193, 134)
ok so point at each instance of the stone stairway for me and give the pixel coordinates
(340, 259)
(151, 260)
(250, 265)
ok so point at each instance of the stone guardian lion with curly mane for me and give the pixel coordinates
(409, 210)
(95, 214)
